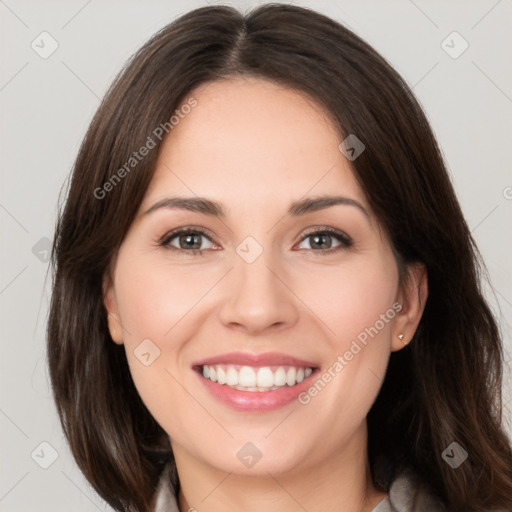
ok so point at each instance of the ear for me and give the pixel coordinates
(114, 320)
(412, 297)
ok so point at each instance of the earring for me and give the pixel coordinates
(401, 337)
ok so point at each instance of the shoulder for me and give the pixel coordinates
(165, 499)
(407, 494)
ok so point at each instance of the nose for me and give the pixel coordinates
(258, 297)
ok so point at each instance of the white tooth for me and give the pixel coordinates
(290, 376)
(265, 377)
(254, 388)
(308, 372)
(213, 374)
(280, 377)
(231, 377)
(247, 377)
(206, 372)
(221, 375)
(300, 375)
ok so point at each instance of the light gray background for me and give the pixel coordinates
(48, 103)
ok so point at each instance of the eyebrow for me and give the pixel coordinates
(215, 209)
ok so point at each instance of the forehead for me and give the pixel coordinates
(251, 141)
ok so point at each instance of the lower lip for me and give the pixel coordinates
(256, 401)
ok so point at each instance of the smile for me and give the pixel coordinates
(248, 378)
(258, 383)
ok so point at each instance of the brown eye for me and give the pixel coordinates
(189, 241)
(186, 240)
(327, 240)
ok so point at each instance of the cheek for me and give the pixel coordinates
(158, 303)
(154, 297)
(353, 300)
(153, 301)
(355, 305)
(360, 312)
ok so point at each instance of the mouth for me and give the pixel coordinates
(254, 379)
(255, 383)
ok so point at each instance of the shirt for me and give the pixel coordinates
(405, 495)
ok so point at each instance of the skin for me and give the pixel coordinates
(294, 298)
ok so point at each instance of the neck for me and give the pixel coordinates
(340, 482)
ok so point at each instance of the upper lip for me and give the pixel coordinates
(264, 359)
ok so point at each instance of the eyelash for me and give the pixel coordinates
(345, 241)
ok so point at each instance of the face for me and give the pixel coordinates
(291, 304)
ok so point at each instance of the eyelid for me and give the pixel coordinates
(345, 240)
(164, 241)
(185, 229)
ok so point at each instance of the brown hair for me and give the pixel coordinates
(445, 386)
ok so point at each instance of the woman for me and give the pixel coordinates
(266, 296)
